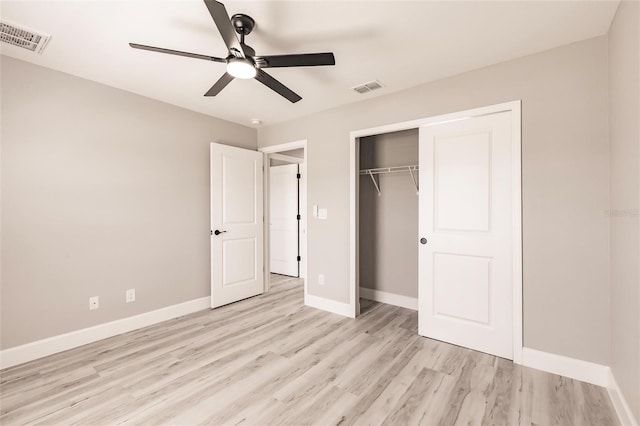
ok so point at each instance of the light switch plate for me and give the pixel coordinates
(322, 213)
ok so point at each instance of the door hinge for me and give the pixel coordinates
(298, 258)
(298, 176)
(298, 217)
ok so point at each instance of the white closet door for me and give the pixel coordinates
(283, 211)
(465, 216)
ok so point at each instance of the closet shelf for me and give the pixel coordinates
(385, 170)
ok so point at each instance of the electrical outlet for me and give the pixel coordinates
(321, 279)
(130, 295)
(94, 303)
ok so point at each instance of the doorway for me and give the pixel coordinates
(284, 213)
(469, 227)
(284, 158)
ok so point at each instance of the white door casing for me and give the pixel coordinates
(237, 212)
(465, 213)
(283, 222)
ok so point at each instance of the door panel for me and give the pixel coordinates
(236, 254)
(465, 272)
(238, 190)
(283, 209)
(455, 275)
(462, 166)
(237, 212)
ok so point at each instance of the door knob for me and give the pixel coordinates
(423, 240)
(218, 232)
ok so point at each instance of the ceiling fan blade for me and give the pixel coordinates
(177, 52)
(227, 31)
(220, 84)
(276, 86)
(302, 60)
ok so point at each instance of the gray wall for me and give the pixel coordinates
(565, 184)
(624, 119)
(102, 190)
(389, 222)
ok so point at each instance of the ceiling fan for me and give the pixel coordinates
(242, 61)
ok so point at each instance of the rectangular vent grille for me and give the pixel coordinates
(368, 87)
(23, 37)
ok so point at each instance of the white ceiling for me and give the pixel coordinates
(400, 43)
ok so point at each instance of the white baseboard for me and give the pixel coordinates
(625, 415)
(573, 368)
(389, 298)
(41, 348)
(329, 305)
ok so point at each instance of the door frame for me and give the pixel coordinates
(275, 149)
(516, 158)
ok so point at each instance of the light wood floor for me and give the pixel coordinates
(270, 360)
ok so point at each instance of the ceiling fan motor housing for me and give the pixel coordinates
(243, 24)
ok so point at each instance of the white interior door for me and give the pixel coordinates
(465, 209)
(236, 224)
(283, 211)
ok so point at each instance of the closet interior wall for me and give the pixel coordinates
(388, 223)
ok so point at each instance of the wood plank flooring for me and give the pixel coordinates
(271, 360)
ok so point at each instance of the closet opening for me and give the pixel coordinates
(388, 220)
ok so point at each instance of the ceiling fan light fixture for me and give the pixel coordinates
(241, 68)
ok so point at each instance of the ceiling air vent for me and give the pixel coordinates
(368, 87)
(23, 37)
